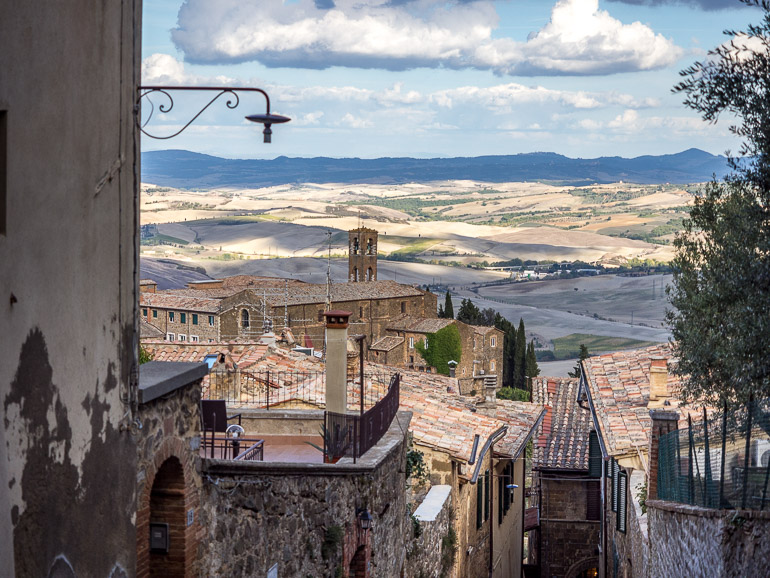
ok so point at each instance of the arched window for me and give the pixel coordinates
(370, 274)
(369, 247)
(354, 246)
(244, 318)
(355, 274)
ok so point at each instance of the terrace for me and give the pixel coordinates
(284, 409)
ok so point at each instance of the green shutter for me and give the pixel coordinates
(615, 469)
(594, 456)
(479, 502)
(195, 318)
(622, 501)
(155, 313)
(486, 494)
(183, 318)
(500, 490)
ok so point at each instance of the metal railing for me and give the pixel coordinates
(720, 463)
(290, 389)
(353, 435)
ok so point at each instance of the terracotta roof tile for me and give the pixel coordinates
(563, 433)
(387, 343)
(181, 302)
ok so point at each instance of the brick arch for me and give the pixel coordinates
(169, 448)
(582, 566)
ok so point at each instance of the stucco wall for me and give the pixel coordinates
(431, 553)
(68, 72)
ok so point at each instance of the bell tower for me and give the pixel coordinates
(362, 255)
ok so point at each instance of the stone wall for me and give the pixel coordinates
(170, 436)
(693, 541)
(428, 555)
(302, 517)
(566, 536)
(628, 553)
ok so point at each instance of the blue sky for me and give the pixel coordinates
(430, 78)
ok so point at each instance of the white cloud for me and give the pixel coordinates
(163, 69)
(580, 39)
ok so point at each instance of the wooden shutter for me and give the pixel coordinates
(486, 495)
(593, 501)
(500, 492)
(507, 492)
(622, 501)
(594, 456)
(479, 502)
(615, 469)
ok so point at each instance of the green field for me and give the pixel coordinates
(568, 347)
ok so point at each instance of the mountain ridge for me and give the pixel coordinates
(185, 169)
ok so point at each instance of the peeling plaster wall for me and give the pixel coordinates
(68, 71)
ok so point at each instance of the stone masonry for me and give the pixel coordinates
(302, 517)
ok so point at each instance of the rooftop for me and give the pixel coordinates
(418, 324)
(387, 343)
(562, 438)
(619, 389)
(167, 300)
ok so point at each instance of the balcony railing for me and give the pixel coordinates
(353, 435)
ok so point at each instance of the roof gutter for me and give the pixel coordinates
(529, 435)
(494, 437)
(587, 390)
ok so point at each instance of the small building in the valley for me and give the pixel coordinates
(564, 536)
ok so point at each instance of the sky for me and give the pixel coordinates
(436, 78)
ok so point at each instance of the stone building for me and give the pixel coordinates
(69, 164)
(565, 541)
(362, 255)
(477, 451)
(245, 307)
(482, 349)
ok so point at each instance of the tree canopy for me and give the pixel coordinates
(721, 290)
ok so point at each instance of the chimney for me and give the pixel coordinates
(336, 360)
(658, 381)
(490, 390)
(663, 422)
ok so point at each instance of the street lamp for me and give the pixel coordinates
(364, 519)
(268, 119)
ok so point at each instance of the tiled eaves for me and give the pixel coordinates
(619, 385)
(179, 302)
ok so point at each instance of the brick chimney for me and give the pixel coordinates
(336, 360)
(658, 382)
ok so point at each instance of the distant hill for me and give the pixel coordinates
(178, 168)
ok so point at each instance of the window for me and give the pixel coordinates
(244, 318)
(403, 307)
(426, 342)
(474, 343)
(211, 321)
(492, 365)
(170, 337)
(614, 471)
(493, 341)
(320, 315)
(500, 492)
(594, 456)
(360, 312)
(154, 313)
(194, 338)
(463, 371)
(411, 343)
(195, 319)
(411, 359)
(182, 337)
(487, 480)
(144, 311)
(171, 316)
(508, 480)
(183, 318)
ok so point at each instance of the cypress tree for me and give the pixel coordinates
(449, 311)
(520, 357)
(532, 369)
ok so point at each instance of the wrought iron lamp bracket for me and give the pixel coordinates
(146, 91)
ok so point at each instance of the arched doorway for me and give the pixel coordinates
(357, 567)
(167, 514)
(586, 568)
